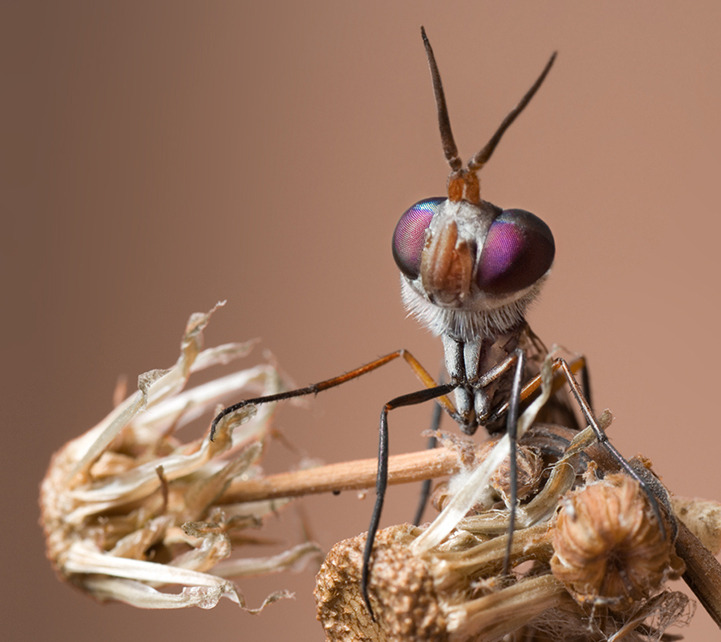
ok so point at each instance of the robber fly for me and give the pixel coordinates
(469, 270)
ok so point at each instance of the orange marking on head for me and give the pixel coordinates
(464, 186)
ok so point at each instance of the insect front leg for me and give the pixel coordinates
(411, 399)
(315, 388)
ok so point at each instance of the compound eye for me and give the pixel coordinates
(517, 252)
(410, 235)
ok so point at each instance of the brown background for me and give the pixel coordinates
(157, 158)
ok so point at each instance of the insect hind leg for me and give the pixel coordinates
(586, 380)
(645, 480)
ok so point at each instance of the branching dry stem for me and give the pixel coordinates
(350, 475)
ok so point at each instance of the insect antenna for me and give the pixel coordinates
(463, 183)
(480, 159)
(444, 123)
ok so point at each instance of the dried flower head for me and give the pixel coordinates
(455, 590)
(405, 600)
(530, 469)
(608, 547)
(128, 507)
(528, 474)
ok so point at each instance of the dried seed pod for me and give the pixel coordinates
(609, 549)
(402, 595)
(530, 468)
(529, 473)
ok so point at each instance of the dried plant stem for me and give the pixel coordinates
(703, 572)
(350, 475)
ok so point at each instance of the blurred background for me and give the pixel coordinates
(158, 157)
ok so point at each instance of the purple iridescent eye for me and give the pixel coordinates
(410, 235)
(517, 252)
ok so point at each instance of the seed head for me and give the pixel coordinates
(129, 507)
(608, 546)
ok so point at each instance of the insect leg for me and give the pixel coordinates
(586, 381)
(315, 388)
(411, 399)
(603, 440)
(426, 485)
(534, 385)
(511, 428)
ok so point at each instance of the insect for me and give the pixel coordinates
(469, 270)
